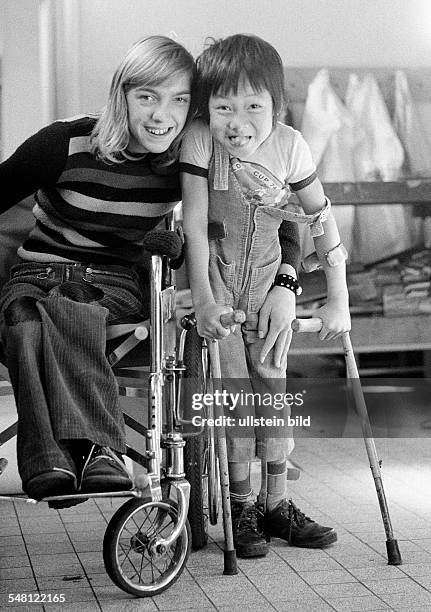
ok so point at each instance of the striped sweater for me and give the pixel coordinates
(85, 209)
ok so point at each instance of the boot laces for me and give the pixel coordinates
(246, 518)
(295, 515)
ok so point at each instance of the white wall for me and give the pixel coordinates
(21, 92)
(93, 35)
(305, 32)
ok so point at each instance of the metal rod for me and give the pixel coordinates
(315, 325)
(230, 566)
(394, 556)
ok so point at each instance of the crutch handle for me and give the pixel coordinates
(232, 318)
(307, 325)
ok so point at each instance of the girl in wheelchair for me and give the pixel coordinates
(239, 164)
(100, 184)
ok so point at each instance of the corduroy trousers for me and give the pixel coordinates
(53, 321)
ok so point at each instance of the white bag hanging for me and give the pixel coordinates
(408, 126)
(411, 131)
(327, 128)
(322, 115)
(378, 155)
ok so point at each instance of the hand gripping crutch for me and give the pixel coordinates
(315, 325)
(230, 565)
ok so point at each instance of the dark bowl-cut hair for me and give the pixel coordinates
(225, 62)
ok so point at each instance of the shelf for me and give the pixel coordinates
(413, 191)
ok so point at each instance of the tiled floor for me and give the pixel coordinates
(59, 552)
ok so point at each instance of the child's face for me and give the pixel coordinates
(157, 114)
(241, 122)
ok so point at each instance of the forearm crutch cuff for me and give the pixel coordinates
(316, 221)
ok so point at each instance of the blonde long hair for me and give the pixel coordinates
(150, 61)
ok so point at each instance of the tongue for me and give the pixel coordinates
(238, 140)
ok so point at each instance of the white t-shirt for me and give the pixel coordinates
(284, 153)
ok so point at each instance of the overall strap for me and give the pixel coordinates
(221, 167)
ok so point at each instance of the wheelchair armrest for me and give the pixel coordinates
(163, 242)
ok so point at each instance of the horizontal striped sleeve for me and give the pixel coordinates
(69, 205)
(43, 243)
(88, 192)
(97, 211)
(97, 205)
(68, 233)
(75, 176)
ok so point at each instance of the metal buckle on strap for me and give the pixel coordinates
(46, 274)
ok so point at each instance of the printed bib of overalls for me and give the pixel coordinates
(246, 207)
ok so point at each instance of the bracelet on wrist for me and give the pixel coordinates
(289, 282)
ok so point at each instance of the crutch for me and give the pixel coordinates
(230, 565)
(315, 325)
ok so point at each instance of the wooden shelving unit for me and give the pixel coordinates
(376, 333)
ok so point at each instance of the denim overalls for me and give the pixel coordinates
(244, 256)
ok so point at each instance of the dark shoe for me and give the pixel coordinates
(74, 454)
(104, 471)
(248, 539)
(287, 522)
(47, 484)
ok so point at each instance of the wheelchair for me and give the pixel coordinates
(149, 538)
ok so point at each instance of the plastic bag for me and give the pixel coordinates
(378, 155)
(408, 126)
(327, 126)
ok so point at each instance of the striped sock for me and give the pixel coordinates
(239, 482)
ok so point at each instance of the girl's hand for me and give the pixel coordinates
(275, 319)
(335, 316)
(208, 321)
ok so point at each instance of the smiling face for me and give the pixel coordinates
(241, 121)
(157, 114)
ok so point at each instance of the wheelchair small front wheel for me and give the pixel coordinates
(128, 552)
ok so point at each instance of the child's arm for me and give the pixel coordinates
(195, 223)
(335, 313)
(279, 308)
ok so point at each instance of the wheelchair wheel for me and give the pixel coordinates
(127, 547)
(200, 463)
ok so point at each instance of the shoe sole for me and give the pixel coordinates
(252, 551)
(97, 485)
(326, 539)
(59, 504)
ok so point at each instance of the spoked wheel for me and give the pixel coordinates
(200, 463)
(130, 559)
